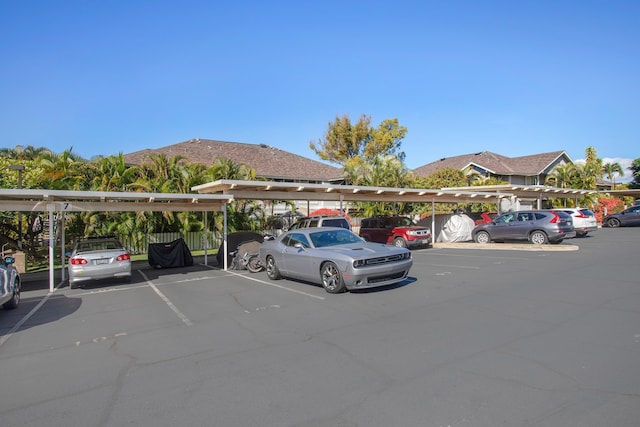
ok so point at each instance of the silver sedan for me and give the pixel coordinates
(334, 257)
(98, 258)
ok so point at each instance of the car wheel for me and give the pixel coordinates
(332, 280)
(580, 234)
(15, 299)
(482, 237)
(613, 223)
(538, 238)
(272, 269)
(254, 265)
(399, 242)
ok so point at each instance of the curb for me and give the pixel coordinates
(507, 246)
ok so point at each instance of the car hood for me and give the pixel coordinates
(365, 250)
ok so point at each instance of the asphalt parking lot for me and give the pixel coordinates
(474, 337)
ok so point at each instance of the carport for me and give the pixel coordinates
(298, 191)
(273, 190)
(53, 201)
(215, 195)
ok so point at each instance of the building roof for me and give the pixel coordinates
(495, 163)
(268, 162)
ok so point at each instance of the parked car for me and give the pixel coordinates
(536, 226)
(395, 230)
(584, 220)
(98, 258)
(334, 257)
(9, 283)
(321, 221)
(627, 218)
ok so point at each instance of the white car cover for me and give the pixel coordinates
(458, 228)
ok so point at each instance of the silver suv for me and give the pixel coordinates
(536, 226)
(321, 221)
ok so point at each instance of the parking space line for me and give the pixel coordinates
(180, 315)
(277, 286)
(284, 288)
(22, 321)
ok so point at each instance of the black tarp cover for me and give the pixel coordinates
(173, 254)
(236, 239)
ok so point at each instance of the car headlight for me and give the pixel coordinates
(359, 263)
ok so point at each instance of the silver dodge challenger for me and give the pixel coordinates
(334, 257)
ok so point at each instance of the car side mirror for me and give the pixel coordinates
(299, 245)
(9, 260)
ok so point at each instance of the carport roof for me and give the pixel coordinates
(272, 190)
(101, 201)
(264, 190)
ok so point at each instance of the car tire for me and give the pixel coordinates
(399, 242)
(254, 265)
(482, 237)
(580, 234)
(538, 238)
(332, 279)
(272, 269)
(613, 223)
(15, 299)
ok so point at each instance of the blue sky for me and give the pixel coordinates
(512, 77)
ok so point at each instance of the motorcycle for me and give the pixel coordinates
(252, 262)
(246, 258)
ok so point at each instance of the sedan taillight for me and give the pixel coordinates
(78, 261)
(123, 257)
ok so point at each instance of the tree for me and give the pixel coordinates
(561, 175)
(65, 171)
(635, 171)
(612, 169)
(345, 142)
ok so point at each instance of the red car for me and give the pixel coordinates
(484, 217)
(395, 230)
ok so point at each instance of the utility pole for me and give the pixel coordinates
(19, 168)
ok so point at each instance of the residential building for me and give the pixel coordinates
(524, 170)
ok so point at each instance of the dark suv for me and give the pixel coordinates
(396, 230)
(321, 221)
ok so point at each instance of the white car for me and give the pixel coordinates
(9, 284)
(98, 258)
(584, 220)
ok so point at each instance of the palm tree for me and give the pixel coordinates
(24, 153)
(612, 169)
(65, 171)
(562, 175)
(228, 169)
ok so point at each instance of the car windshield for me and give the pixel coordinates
(324, 238)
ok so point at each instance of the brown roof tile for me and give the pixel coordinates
(269, 162)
